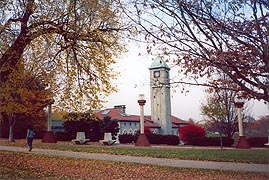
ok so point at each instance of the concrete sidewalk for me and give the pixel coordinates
(147, 160)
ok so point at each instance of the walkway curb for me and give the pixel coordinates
(148, 160)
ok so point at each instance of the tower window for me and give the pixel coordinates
(156, 74)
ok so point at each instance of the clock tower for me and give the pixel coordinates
(160, 95)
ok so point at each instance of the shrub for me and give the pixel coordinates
(72, 127)
(210, 141)
(153, 139)
(163, 139)
(127, 138)
(39, 134)
(257, 141)
(190, 131)
(62, 136)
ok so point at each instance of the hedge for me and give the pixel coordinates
(257, 141)
(62, 136)
(210, 141)
(153, 139)
(127, 138)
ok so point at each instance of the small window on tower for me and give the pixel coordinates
(156, 74)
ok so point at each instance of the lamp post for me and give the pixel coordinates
(49, 136)
(142, 138)
(241, 141)
(49, 117)
(141, 101)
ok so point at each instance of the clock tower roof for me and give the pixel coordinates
(158, 63)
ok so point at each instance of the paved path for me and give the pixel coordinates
(147, 160)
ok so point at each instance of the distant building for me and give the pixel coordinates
(57, 126)
(129, 124)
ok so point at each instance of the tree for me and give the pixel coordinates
(258, 128)
(204, 38)
(109, 125)
(73, 43)
(190, 131)
(23, 97)
(77, 122)
(93, 128)
(219, 111)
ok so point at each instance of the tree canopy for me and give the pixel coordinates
(220, 113)
(207, 37)
(72, 44)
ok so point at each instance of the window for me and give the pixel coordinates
(156, 74)
(105, 112)
(123, 114)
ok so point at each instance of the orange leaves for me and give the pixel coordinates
(32, 166)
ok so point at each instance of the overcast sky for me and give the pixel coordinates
(134, 80)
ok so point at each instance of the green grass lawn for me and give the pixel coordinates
(260, 156)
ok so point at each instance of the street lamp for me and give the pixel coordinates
(49, 136)
(141, 101)
(241, 141)
(142, 138)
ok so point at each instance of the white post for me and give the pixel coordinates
(141, 102)
(240, 122)
(142, 120)
(49, 117)
(241, 141)
(142, 139)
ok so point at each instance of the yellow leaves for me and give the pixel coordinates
(23, 93)
(72, 56)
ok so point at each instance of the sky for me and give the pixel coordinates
(134, 80)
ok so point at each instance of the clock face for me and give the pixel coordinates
(156, 74)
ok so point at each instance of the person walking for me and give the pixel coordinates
(30, 137)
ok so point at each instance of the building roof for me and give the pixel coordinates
(176, 120)
(121, 116)
(158, 63)
(117, 114)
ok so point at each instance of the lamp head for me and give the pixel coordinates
(141, 100)
(239, 102)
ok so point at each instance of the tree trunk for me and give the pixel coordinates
(11, 137)
(220, 138)
(1, 123)
(12, 121)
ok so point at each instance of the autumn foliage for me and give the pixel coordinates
(205, 38)
(33, 166)
(190, 131)
(73, 44)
